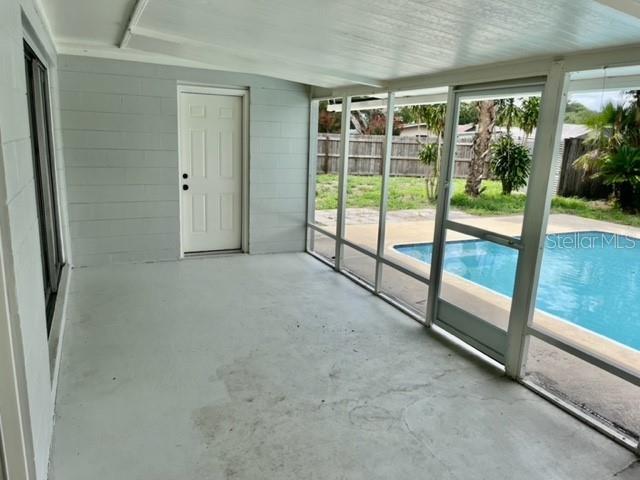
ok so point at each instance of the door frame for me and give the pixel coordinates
(217, 90)
(16, 437)
(479, 333)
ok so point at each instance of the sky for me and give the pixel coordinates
(597, 100)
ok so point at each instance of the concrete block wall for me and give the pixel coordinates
(119, 125)
(19, 225)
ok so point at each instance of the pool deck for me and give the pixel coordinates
(417, 226)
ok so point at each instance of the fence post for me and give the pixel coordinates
(326, 154)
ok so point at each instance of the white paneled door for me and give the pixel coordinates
(211, 171)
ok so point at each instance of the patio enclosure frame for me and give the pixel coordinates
(552, 79)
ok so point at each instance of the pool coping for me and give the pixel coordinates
(510, 298)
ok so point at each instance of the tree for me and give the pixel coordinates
(614, 154)
(468, 113)
(429, 156)
(621, 169)
(576, 112)
(373, 122)
(434, 117)
(481, 146)
(511, 163)
(407, 115)
(328, 122)
(529, 114)
(507, 113)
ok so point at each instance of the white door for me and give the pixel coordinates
(211, 171)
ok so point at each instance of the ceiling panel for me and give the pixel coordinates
(338, 42)
(88, 21)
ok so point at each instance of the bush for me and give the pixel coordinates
(510, 163)
(429, 157)
(622, 170)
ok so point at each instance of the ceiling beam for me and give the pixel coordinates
(268, 61)
(626, 55)
(134, 18)
(614, 83)
(113, 52)
(399, 102)
(225, 60)
(621, 82)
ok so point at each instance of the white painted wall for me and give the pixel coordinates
(18, 220)
(119, 119)
(121, 151)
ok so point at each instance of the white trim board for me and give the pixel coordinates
(529, 67)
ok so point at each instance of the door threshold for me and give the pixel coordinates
(212, 253)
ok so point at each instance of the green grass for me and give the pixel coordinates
(409, 193)
(405, 193)
(598, 210)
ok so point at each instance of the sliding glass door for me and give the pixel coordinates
(44, 174)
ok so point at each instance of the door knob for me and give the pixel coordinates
(185, 187)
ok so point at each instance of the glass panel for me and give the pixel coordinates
(326, 185)
(478, 276)
(364, 179)
(322, 245)
(597, 392)
(415, 164)
(359, 264)
(492, 160)
(588, 289)
(405, 289)
(44, 177)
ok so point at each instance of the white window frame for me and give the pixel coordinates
(520, 329)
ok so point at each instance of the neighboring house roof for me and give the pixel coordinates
(421, 129)
(572, 130)
(569, 130)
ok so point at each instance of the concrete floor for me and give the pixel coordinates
(275, 367)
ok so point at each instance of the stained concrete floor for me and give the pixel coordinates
(275, 367)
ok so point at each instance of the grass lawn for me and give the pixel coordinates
(408, 193)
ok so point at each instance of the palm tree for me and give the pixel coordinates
(621, 169)
(605, 137)
(481, 147)
(434, 117)
(614, 154)
(529, 113)
(507, 113)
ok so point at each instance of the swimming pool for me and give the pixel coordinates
(591, 279)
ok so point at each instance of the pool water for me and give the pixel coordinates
(591, 279)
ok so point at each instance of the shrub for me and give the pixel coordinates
(429, 154)
(510, 163)
(622, 170)
(429, 157)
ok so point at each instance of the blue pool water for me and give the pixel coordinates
(591, 279)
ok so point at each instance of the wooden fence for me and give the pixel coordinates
(365, 158)
(365, 155)
(574, 181)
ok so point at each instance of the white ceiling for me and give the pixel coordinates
(340, 42)
(88, 22)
